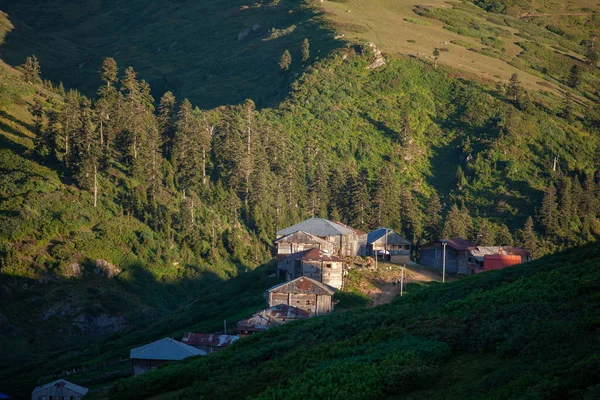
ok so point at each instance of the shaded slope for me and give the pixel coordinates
(534, 326)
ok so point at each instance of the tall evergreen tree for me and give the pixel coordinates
(285, 61)
(503, 236)
(305, 50)
(528, 237)
(486, 235)
(433, 217)
(591, 52)
(186, 149)
(436, 56)
(514, 87)
(410, 216)
(386, 199)
(166, 123)
(549, 212)
(31, 70)
(359, 202)
(574, 77)
(456, 224)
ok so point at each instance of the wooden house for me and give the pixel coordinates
(388, 244)
(343, 239)
(159, 353)
(208, 342)
(299, 241)
(315, 264)
(304, 293)
(484, 258)
(456, 255)
(270, 318)
(59, 390)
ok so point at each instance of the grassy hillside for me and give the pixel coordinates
(490, 45)
(529, 331)
(188, 47)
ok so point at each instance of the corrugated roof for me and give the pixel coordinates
(458, 244)
(165, 349)
(313, 255)
(358, 232)
(272, 316)
(301, 237)
(393, 237)
(303, 285)
(318, 227)
(481, 251)
(62, 383)
(208, 339)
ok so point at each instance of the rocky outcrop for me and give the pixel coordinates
(378, 59)
(106, 269)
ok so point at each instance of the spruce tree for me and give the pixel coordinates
(166, 123)
(529, 239)
(456, 224)
(359, 202)
(305, 50)
(186, 150)
(591, 53)
(549, 212)
(574, 77)
(566, 208)
(31, 70)
(433, 218)
(503, 236)
(486, 235)
(386, 199)
(410, 216)
(436, 56)
(514, 87)
(37, 112)
(285, 61)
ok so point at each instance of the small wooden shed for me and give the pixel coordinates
(60, 389)
(159, 353)
(387, 243)
(315, 264)
(304, 293)
(208, 342)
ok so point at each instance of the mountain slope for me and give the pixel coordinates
(530, 331)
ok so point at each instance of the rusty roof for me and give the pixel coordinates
(481, 251)
(303, 285)
(208, 339)
(313, 254)
(272, 316)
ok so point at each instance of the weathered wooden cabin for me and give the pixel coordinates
(58, 390)
(304, 293)
(456, 255)
(389, 245)
(299, 241)
(159, 353)
(208, 342)
(497, 257)
(315, 264)
(269, 318)
(345, 240)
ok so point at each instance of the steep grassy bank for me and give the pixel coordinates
(530, 331)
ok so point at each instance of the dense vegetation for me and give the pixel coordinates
(525, 332)
(126, 204)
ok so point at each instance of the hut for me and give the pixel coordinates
(270, 318)
(156, 354)
(315, 264)
(60, 389)
(304, 293)
(299, 241)
(484, 258)
(392, 246)
(208, 342)
(432, 255)
(343, 239)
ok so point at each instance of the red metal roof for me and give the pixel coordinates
(208, 339)
(499, 261)
(459, 244)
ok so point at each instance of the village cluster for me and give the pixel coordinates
(313, 260)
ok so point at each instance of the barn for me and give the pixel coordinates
(159, 353)
(315, 264)
(343, 239)
(304, 293)
(60, 389)
(432, 255)
(299, 241)
(387, 243)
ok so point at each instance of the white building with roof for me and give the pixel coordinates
(60, 389)
(156, 354)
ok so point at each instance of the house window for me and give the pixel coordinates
(308, 302)
(327, 265)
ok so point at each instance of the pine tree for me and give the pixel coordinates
(436, 55)
(503, 236)
(486, 235)
(549, 212)
(166, 122)
(574, 77)
(109, 72)
(285, 61)
(32, 70)
(359, 202)
(568, 108)
(433, 218)
(107, 105)
(410, 216)
(591, 53)
(461, 179)
(70, 122)
(514, 87)
(37, 112)
(305, 50)
(386, 199)
(529, 239)
(186, 152)
(456, 224)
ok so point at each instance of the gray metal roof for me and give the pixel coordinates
(165, 349)
(61, 382)
(303, 284)
(393, 237)
(318, 227)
